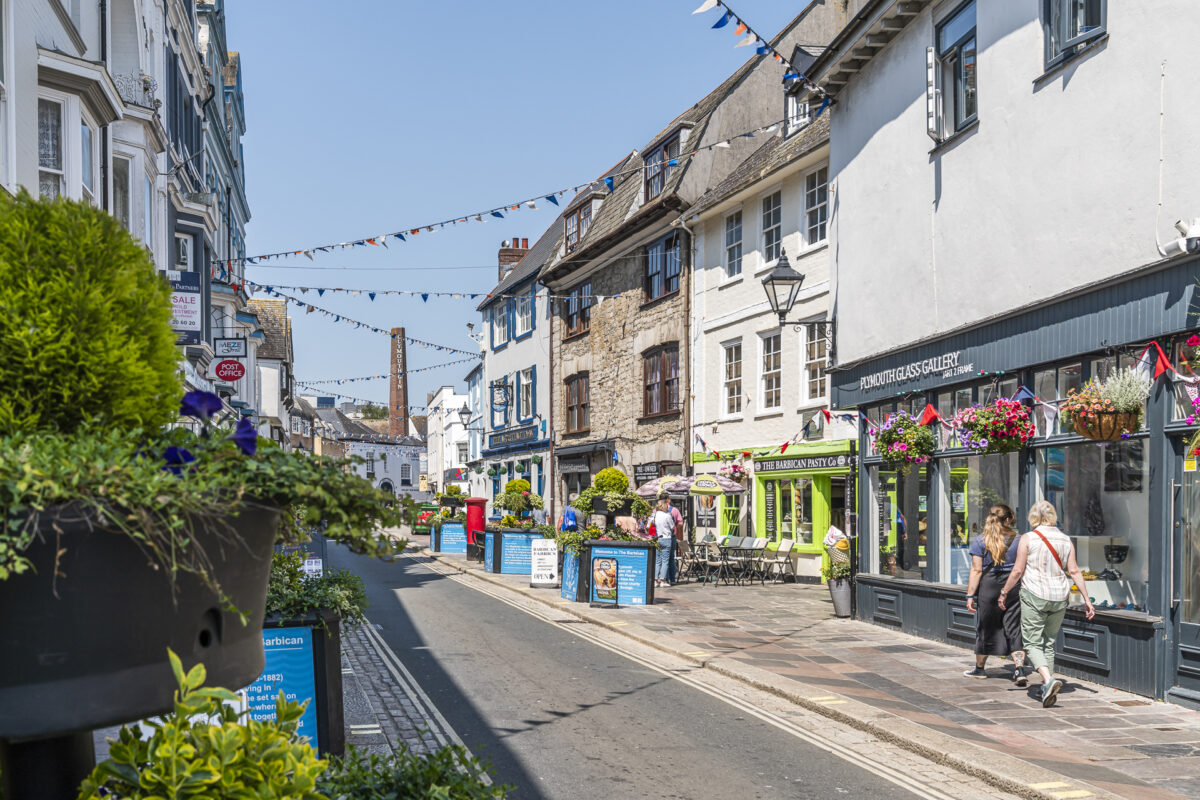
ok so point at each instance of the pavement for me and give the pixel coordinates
(1097, 742)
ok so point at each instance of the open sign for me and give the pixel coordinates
(229, 370)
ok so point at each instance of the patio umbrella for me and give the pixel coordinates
(706, 485)
(650, 489)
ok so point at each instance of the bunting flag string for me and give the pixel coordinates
(310, 308)
(362, 401)
(340, 381)
(762, 47)
(402, 235)
(373, 293)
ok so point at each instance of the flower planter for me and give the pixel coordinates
(90, 649)
(448, 537)
(509, 551)
(621, 508)
(839, 592)
(631, 572)
(1106, 426)
(313, 671)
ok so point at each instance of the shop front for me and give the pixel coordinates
(576, 464)
(1131, 505)
(521, 452)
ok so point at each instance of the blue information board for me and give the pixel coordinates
(454, 538)
(619, 575)
(570, 576)
(516, 552)
(489, 551)
(290, 668)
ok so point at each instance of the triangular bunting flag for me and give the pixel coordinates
(551, 199)
(707, 5)
(723, 21)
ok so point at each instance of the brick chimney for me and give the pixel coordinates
(398, 390)
(510, 253)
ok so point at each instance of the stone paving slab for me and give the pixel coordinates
(1112, 740)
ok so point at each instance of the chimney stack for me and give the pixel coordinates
(510, 253)
(398, 389)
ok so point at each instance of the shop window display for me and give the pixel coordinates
(1051, 385)
(789, 506)
(976, 483)
(1185, 357)
(1100, 493)
(900, 521)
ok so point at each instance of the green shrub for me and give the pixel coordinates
(291, 594)
(834, 571)
(450, 773)
(611, 479)
(205, 749)
(517, 485)
(85, 322)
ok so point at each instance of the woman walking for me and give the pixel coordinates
(1045, 568)
(662, 525)
(997, 630)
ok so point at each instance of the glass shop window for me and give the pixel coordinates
(1187, 363)
(1050, 385)
(976, 484)
(788, 510)
(1101, 495)
(900, 522)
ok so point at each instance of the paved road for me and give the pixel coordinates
(561, 717)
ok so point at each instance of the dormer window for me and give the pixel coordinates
(797, 113)
(577, 223)
(660, 163)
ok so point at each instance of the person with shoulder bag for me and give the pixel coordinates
(1045, 568)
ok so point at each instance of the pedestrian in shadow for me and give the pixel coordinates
(1045, 568)
(997, 630)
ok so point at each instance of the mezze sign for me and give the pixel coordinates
(945, 366)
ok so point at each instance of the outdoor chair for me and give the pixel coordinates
(738, 556)
(687, 560)
(780, 562)
(715, 563)
(756, 560)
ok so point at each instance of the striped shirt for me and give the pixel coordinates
(1043, 577)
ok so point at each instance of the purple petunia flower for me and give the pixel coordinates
(177, 458)
(201, 405)
(245, 437)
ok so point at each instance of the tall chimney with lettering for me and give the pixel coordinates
(510, 253)
(398, 395)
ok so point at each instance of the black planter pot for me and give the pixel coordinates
(621, 508)
(90, 649)
(327, 674)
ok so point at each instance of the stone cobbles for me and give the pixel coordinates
(1115, 741)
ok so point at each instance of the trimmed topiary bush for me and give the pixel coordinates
(519, 485)
(85, 322)
(611, 479)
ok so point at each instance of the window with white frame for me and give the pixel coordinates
(816, 205)
(577, 224)
(526, 399)
(772, 371)
(660, 163)
(87, 161)
(121, 170)
(406, 474)
(954, 102)
(524, 315)
(733, 378)
(733, 244)
(183, 252)
(772, 226)
(1071, 23)
(815, 360)
(51, 168)
(499, 324)
(148, 213)
(797, 114)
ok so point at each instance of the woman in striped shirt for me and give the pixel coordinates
(1045, 568)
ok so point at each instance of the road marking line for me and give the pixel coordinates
(697, 653)
(617, 624)
(1050, 785)
(823, 698)
(1074, 793)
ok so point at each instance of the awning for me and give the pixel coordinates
(583, 449)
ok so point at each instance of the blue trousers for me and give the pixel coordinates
(665, 559)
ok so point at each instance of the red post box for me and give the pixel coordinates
(476, 512)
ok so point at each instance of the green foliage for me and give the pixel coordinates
(517, 497)
(408, 509)
(509, 521)
(373, 412)
(572, 541)
(450, 773)
(835, 571)
(204, 749)
(291, 594)
(611, 479)
(85, 329)
(517, 485)
(586, 501)
(117, 478)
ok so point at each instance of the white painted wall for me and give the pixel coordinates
(444, 433)
(1055, 189)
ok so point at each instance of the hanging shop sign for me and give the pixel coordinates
(806, 463)
(514, 436)
(575, 464)
(230, 347)
(187, 306)
(229, 370)
(644, 473)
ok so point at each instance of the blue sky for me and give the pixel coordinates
(371, 116)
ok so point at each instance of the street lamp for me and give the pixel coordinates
(464, 415)
(782, 285)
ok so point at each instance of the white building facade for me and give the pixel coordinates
(447, 441)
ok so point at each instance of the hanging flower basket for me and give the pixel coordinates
(1106, 426)
(903, 441)
(735, 472)
(520, 469)
(479, 470)
(1003, 426)
(536, 459)
(491, 472)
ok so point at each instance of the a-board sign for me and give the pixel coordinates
(543, 570)
(289, 666)
(619, 575)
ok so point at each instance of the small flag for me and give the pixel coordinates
(707, 5)
(929, 415)
(497, 214)
(724, 20)
(551, 199)
(372, 296)
(740, 29)
(609, 183)
(1023, 394)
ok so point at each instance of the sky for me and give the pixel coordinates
(371, 116)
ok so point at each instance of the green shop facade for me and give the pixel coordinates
(1131, 507)
(792, 496)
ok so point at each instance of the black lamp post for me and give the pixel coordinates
(464, 415)
(782, 285)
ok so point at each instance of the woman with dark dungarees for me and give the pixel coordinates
(997, 631)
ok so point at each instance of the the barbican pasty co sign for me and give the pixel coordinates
(943, 366)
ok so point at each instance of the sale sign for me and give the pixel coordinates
(229, 370)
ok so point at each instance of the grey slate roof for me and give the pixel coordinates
(276, 327)
(530, 263)
(773, 155)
